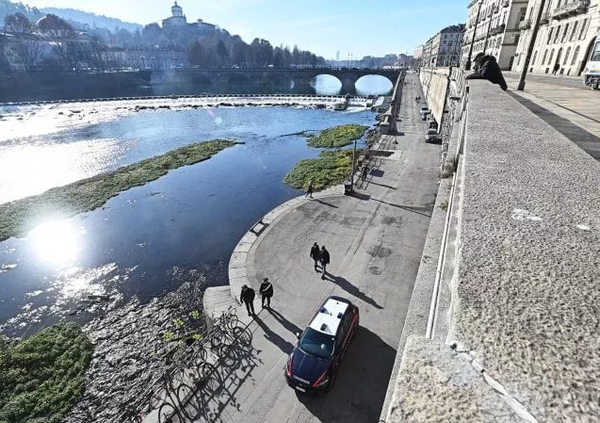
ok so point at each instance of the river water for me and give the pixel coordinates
(150, 239)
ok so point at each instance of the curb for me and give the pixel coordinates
(238, 275)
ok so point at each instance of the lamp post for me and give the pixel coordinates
(468, 63)
(534, 32)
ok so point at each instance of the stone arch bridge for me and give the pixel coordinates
(260, 80)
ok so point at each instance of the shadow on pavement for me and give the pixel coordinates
(578, 135)
(284, 322)
(361, 385)
(383, 185)
(377, 173)
(325, 203)
(352, 290)
(423, 211)
(281, 343)
(360, 196)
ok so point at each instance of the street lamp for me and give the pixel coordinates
(468, 63)
(534, 31)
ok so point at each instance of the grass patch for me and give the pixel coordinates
(20, 216)
(338, 136)
(42, 376)
(331, 168)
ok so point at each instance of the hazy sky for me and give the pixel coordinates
(357, 27)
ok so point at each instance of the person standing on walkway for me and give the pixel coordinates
(315, 254)
(324, 257)
(309, 190)
(556, 68)
(266, 292)
(247, 297)
(365, 173)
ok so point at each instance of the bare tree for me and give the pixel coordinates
(18, 24)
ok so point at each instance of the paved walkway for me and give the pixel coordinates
(375, 239)
(565, 104)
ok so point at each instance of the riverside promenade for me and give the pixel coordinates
(376, 240)
(565, 104)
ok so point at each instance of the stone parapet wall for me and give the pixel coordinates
(435, 84)
(523, 326)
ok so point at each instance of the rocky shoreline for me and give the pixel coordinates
(130, 346)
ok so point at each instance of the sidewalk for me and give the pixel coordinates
(376, 239)
(565, 104)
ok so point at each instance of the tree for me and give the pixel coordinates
(55, 27)
(196, 54)
(18, 23)
(222, 54)
(151, 34)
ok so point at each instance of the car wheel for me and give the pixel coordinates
(332, 381)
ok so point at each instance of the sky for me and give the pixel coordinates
(355, 28)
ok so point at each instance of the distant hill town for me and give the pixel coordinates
(34, 39)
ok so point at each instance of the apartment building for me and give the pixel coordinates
(567, 31)
(494, 27)
(444, 48)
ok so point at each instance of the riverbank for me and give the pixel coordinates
(19, 217)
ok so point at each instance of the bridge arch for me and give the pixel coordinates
(239, 82)
(326, 84)
(373, 85)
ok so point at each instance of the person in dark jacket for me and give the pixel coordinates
(486, 67)
(266, 292)
(247, 297)
(315, 254)
(324, 257)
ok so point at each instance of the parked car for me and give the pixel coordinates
(424, 110)
(432, 136)
(313, 364)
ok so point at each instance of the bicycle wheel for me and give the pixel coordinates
(167, 413)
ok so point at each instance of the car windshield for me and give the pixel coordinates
(317, 343)
(431, 132)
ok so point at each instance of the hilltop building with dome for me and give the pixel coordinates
(177, 20)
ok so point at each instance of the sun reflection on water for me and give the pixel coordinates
(56, 242)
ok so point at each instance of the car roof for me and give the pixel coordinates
(328, 318)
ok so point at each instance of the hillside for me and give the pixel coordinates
(78, 17)
(92, 19)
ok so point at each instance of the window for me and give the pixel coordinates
(544, 57)
(583, 29)
(556, 34)
(575, 54)
(595, 57)
(551, 56)
(550, 35)
(534, 57)
(574, 30)
(567, 56)
(564, 37)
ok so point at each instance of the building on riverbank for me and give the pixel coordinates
(443, 49)
(566, 34)
(494, 27)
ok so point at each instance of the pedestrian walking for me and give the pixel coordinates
(309, 190)
(556, 68)
(315, 254)
(365, 173)
(247, 297)
(266, 292)
(324, 257)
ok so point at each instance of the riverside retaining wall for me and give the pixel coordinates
(435, 86)
(522, 330)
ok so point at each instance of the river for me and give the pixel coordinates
(150, 239)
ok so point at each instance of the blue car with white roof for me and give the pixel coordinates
(313, 364)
